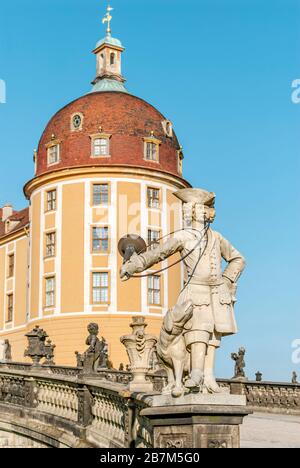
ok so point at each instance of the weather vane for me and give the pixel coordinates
(107, 19)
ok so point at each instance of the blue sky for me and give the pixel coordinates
(221, 70)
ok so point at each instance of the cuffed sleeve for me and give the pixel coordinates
(236, 262)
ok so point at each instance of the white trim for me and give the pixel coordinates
(4, 288)
(87, 245)
(41, 278)
(58, 248)
(144, 235)
(165, 230)
(14, 281)
(113, 254)
(148, 182)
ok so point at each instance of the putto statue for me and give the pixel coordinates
(5, 351)
(294, 378)
(205, 309)
(239, 369)
(96, 356)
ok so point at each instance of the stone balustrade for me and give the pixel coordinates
(272, 397)
(100, 411)
(57, 398)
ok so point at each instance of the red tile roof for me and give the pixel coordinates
(126, 118)
(21, 216)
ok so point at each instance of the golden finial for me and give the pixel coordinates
(107, 19)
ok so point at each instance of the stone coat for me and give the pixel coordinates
(207, 286)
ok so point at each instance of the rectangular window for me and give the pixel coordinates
(151, 151)
(51, 200)
(100, 288)
(53, 155)
(153, 237)
(100, 147)
(153, 198)
(50, 291)
(100, 239)
(11, 265)
(154, 290)
(10, 307)
(100, 194)
(50, 244)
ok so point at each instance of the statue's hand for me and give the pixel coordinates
(131, 267)
(232, 287)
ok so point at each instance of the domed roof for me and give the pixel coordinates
(110, 41)
(126, 119)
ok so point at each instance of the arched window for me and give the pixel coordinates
(112, 59)
(102, 62)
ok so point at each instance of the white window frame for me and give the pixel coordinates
(10, 308)
(102, 137)
(102, 194)
(51, 201)
(50, 150)
(154, 290)
(103, 239)
(100, 287)
(153, 202)
(50, 244)
(151, 143)
(11, 265)
(50, 291)
(153, 238)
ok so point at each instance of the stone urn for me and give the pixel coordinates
(139, 346)
(36, 345)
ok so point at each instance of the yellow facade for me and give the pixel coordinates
(56, 291)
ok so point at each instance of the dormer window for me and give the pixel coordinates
(53, 155)
(53, 151)
(100, 145)
(168, 128)
(151, 149)
(180, 157)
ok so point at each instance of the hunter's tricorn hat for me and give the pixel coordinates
(193, 195)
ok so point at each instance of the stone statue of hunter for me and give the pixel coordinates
(211, 290)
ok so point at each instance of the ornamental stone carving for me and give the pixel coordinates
(140, 347)
(96, 356)
(38, 348)
(204, 312)
(5, 351)
(239, 369)
(294, 378)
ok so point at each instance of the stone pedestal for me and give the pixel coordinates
(197, 421)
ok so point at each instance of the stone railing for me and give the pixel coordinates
(57, 398)
(95, 411)
(272, 397)
(99, 411)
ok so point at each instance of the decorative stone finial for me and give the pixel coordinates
(139, 347)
